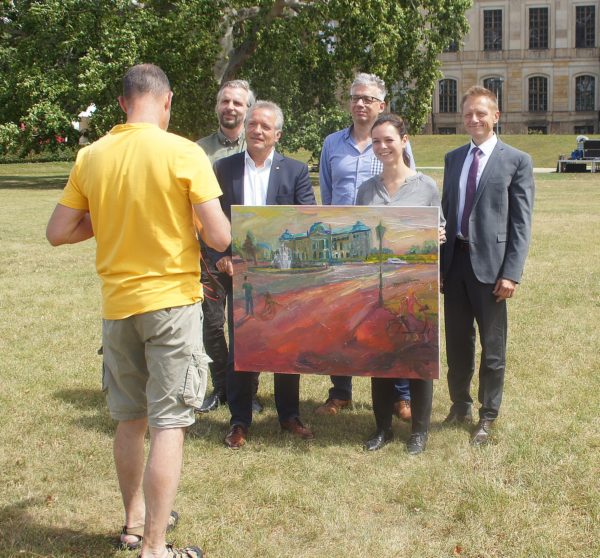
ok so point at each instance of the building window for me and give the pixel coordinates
(495, 84)
(585, 93)
(585, 26)
(538, 94)
(446, 130)
(492, 29)
(532, 130)
(448, 100)
(538, 28)
(585, 129)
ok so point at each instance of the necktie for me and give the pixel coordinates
(470, 193)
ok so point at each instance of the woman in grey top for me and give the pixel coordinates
(398, 185)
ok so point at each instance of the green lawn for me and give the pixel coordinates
(544, 150)
(534, 492)
(429, 151)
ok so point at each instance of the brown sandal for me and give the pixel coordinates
(138, 532)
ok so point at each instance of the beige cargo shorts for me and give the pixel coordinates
(155, 366)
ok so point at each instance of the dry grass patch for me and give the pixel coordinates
(532, 493)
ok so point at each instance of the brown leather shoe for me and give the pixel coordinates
(402, 410)
(236, 437)
(332, 406)
(295, 427)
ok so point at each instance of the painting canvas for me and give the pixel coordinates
(336, 290)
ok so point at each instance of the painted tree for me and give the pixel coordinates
(58, 56)
(250, 248)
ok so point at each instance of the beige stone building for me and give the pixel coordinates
(542, 57)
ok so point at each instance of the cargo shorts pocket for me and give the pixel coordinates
(196, 379)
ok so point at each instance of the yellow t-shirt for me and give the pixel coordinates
(139, 183)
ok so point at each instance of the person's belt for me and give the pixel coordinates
(461, 244)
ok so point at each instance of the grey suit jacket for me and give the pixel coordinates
(500, 221)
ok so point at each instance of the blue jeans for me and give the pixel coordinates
(342, 388)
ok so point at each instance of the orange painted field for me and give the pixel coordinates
(328, 326)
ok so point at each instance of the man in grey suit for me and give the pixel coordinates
(488, 202)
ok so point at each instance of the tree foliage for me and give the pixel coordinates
(58, 56)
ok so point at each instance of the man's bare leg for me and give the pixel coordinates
(128, 449)
(161, 479)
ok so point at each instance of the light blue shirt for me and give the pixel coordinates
(343, 168)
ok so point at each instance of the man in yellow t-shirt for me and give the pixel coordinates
(136, 191)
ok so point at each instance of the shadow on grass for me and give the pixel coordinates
(23, 536)
(357, 424)
(89, 400)
(349, 428)
(50, 182)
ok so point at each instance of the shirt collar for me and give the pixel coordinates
(487, 146)
(348, 136)
(268, 160)
(225, 141)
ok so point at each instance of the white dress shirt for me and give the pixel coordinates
(256, 180)
(486, 150)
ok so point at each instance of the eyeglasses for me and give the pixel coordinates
(366, 99)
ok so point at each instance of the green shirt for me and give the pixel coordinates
(217, 145)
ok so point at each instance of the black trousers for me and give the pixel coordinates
(216, 286)
(466, 302)
(384, 397)
(240, 389)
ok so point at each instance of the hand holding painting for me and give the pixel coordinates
(225, 265)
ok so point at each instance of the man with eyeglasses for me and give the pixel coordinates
(347, 160)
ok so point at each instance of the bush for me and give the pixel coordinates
(65, 153)
(9, 138)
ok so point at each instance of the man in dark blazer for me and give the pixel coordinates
(488, 202)
(260, 176)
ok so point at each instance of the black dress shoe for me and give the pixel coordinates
(211, 403)
(456, 417)
(256, 405)
(416, 443)
(379, 439)
(481, 435)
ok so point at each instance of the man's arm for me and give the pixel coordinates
(325, 176)
(215, 230)
(68, 226)
(520, 210)
(520, 199)
(303, 192)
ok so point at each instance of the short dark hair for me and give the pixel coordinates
(398, 123)
(143, 79)
(479, 91)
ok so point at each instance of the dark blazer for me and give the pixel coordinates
(289, 184)
(500, 221)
